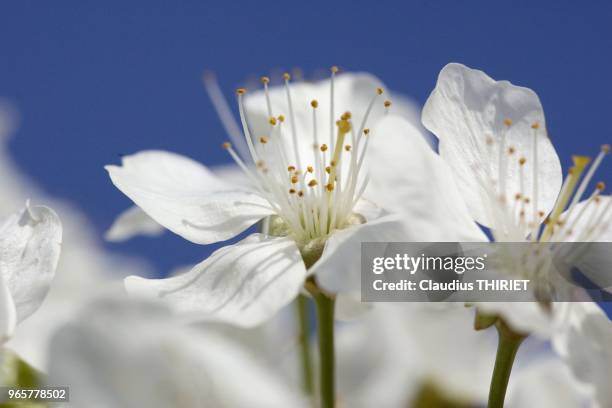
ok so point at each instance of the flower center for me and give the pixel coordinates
(312, 181)
(515, 214)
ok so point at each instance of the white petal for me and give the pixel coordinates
(352, 92)
(546, 383)
(339, 268)
(584, 342)
(122, 354)
(385, 358)
(375, 361)
(85, 270)
(133, 221)
(525, 317)
(410, 110)
(231, 173)
(242, 284)
(8, 314)
(466, 108)
(29, 252)
(185, 197)
(407, 177)
(593, 259)
(349, 306)
(451, 353)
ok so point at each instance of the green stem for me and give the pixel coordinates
(303, 337)
(324, 303)
(508, 345)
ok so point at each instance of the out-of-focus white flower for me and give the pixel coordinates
(30, 242)
(304, 165)
(84, 268)
(131, 353)
(403, 355)
(585, 345)
(493, 136)
(131, 222)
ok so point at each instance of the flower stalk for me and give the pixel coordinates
(325, 303)
(303, 336)
(507, 347)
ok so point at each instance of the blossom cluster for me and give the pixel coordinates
(318, 169)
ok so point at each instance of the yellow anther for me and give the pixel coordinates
(312, 183)
(300, 193)
(540, 214)
(345, 116)
(522, 161)
(580, 162)
(511, 150)
(310, 169)
(347, 148)
(281, 118)
(263, 140)
(327, 169)
(379, 91)
(294, 179)
(334, 69)
(517, 196)
(600, 186)
(508, 122)
(332, 163)
(366, 131)
(526, 200)
(264, 80)
(387, 103)
(605, 148)
(344, 126)
(323, 147)
(291, 168)
(286, 76)
(227, 145)
(574, 173)
(314, 103)
(329, 187)
(272, 121)
(240, 91)
(535, 125)
(292, 191)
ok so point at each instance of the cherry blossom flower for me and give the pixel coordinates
(307, 145)
(493, 136)
(29, 252)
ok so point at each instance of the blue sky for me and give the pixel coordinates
(94, 80)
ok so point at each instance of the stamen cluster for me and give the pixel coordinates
(314, 194)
